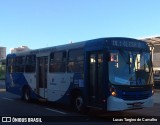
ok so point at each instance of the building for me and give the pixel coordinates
(2, 52)
(154, 43)
(19, 49)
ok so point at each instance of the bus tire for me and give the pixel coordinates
(78, 103)
(26, 95)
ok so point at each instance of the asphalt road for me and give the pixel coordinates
(13, 107)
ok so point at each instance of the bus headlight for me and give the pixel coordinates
(152, 91)
(113, 91)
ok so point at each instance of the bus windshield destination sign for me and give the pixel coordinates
(130, 44)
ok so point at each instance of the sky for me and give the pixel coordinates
(45, 23)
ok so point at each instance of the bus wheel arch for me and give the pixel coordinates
(77, 100)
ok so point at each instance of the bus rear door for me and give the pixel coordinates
(42, 69)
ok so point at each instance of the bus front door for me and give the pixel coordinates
(95, 75)
(42, 67)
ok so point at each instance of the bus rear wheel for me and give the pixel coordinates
(27, 94)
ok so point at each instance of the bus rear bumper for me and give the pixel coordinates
(117, 104)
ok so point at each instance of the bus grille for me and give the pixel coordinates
(135, 95)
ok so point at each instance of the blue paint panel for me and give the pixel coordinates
(11, 55)
(15, 83)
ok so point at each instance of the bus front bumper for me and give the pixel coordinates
(117, 104)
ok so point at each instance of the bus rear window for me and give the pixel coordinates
(10, 64)
(20, 64)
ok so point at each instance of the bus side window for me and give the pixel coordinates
(11, 65)
(20, 64)
(30, 63)
(76, 60)
(58, 62)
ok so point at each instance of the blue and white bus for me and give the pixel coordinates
(111, 74)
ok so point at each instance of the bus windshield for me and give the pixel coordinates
(129, 67)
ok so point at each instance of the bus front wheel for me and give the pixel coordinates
(78, 103)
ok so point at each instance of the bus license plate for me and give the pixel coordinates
(137, 105)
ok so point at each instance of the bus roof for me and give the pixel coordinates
(111, 42)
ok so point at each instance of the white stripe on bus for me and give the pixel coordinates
(8, 99)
